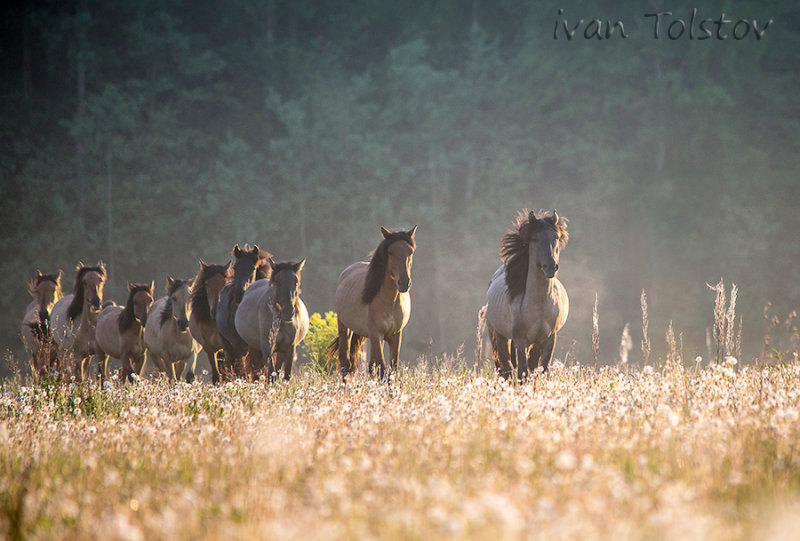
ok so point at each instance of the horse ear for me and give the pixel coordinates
(385, 232)
(531, 216)
(170, 281)
(412, 231)
(131, 285)
(255, 249)
(203, 264)
(555, 217)
(236, 250)
(39, 273)
(271, 263)
(299, 266)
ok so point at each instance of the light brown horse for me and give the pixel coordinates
(35, 331)
(372, 301)
(271, 342)
(526, 303)
(119, 332)
(74, 317)
(206, 288)
(167, 338)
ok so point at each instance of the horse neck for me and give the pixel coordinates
(388, 291)
(537, 285)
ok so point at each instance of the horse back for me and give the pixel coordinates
(246, 319)
(350, 309)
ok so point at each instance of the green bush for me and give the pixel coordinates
(321, 332)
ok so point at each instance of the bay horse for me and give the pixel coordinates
(249, 264)
(167, 338)
(119, 332)
(35, 331)
(270, 341)
(203, 303)
(372, 301)
(526, 303)
(74, 316)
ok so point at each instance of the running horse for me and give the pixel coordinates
(167, 338)
(119, 332)
(74, 317)
(203, 302)
(526, 303)
(372, 301)
(250, 264)
(273, 341)
(35, 331)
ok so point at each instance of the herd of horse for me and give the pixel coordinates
(248, 318)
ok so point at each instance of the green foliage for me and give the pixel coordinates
(321, 332)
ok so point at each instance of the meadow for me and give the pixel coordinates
(447, 450)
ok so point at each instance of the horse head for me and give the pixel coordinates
(213, 279)
(547, 236)
(140, 297)
(399, 257)
(243, 269)
(45, 290)
(285, 286)
(178, 293)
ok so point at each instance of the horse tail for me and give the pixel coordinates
(331, 355)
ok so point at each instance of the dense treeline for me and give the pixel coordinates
(150, 134)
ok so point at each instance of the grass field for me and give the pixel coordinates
(445, 452)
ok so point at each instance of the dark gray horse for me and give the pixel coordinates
(250, 264)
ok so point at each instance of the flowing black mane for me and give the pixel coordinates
(377, 265)
(76, 306)
(515, 245)
(199, 297)
(166, 313)
(127, 318)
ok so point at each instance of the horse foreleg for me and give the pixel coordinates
(288, 360)
(376, 354)
(501, 348)
(214, 363)
(191, 363)
(548, 348)
(139, 362)
(521, 346)
(394, 349)
(102, 365)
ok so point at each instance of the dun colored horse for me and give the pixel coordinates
(269, 339)
(45, 290)
(250, 264)
(372, 301)
(119, 332)
(526, 303)
(74, 317)
(167, 337)
(203, 303)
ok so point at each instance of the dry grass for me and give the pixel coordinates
(445, 452)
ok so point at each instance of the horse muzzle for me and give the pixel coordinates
(403, 285)
(550, 271)
(183, 324)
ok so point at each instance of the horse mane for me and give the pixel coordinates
(198, 299)
(377, 265)
(515, 246)
(55, 277)
(76, 306)
(263, 268)
(166, 313)
(127, 318)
